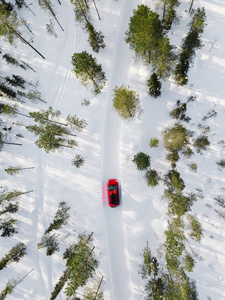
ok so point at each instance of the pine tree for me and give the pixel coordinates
(96, 39)
(152, 177)
(60, 217)
(163, 60)
(88, 71)
(81, 9)
(145, 31)
(6, 90)
(16, 80)
(12, 60)
(154, 86)
(16, 170)
(76, 123)
(50, 243)
(47, 6)
(126, 102)
(141, 160)
(14, 254)
(169, 12)
(8, 289)
(78, 161)
(8, 227)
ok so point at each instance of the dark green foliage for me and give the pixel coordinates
(60, 217)
(221, 163)
(78, 161)
(187, 151)
(96, 39)
(126, 102)
(60, 284)
(50, 243)
(8, 289)
(179, 112)
(145, 31)
(175, 138)
(141, 160)
(163, 58)
(196, 228)
(19, 3)
(201, 143)
(188, 262)
(16, 80)
(88, 71)
(173, 157)
(152, 177)
(169, 15)
(154, 143)
(189, 45)
(81, 263)
(12, 60)
(7, 91)
(81, 9)
(14, 254)
(178, 203)
(8, 228)
(154, 86)
(174, 181)
(76, 123)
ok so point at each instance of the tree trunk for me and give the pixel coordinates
(192, 1)
(12, 144)
(22, 39)
(96, 9)
(98, 288)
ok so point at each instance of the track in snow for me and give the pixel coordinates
(115, 234)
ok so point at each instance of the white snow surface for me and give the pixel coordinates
(109, 144)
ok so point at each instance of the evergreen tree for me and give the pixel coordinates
(6, 90)
(8, 228)
(189, 45)
(12, 60)
(78, 161)
(96, 39)
(81, 9)
(175, 138)
(126, 102)
(88, 71)
(16, 170)
(152, 177)
(14, 254)
(76, 123)
(174, 181)
(47, 6)
(154, 86)
(163, 60)
(50, 243)
(169, 12)
(81, 263)
(145, 31)
(16, 80)
(8, 289)
(201, 143)
(60, 217)
(141, 160)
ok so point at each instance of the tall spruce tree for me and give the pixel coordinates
(145, 31)
(88, 71)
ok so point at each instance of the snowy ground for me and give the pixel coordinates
(108, 144)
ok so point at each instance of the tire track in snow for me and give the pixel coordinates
(121, 286)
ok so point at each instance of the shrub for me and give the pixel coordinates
(173, 157)
(152, 178)
(174, 181)
(179, 112)
(175, 138)
(154, 142)
(201, 143)
(193, 167)
(221, 163)
(141, 160)
(187, 152)
(78, 161)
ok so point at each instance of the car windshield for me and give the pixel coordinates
(112, 187)
(113, 199)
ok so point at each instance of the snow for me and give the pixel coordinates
(109, 144)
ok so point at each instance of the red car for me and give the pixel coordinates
(113, 192)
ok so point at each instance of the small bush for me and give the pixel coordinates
(201, 143)
(221, 163)
(78, 161)
(187, 152)
(173, 157)
(152, 178)
(179, 112)
(154, 142)
(193, 167)
(141, 160)
(175, 138)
